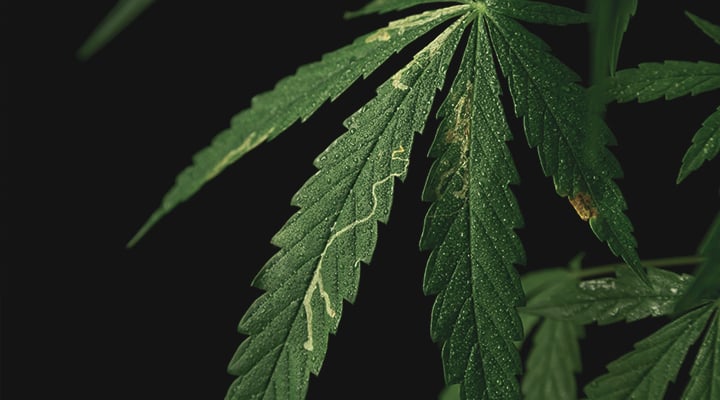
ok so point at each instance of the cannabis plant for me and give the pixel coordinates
(477, 67)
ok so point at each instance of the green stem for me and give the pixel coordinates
(654, 263)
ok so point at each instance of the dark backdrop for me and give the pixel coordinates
(93, 146)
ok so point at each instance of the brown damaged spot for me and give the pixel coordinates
(583, 205)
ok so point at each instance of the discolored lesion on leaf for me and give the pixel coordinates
(459, 135)
(583, 205)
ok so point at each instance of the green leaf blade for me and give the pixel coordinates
(669, 80)
(706, 285)
(450, 392)
(710, 29)
(385, 6)
(294, 98)
(469, 229)
(123, 13)
(554, 356)
(537, 285)
(553, 361)
(704, 381)
(609, 300)
(581, 165)
(539, 12)
(323, 244)
(655, 361)
(705, 146)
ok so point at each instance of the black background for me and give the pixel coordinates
(92, 147)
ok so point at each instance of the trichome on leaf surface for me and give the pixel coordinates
(503, 333)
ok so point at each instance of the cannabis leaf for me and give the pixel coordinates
(656, 360)
(671, 79)
(469, 227)
(450, 392)
(609, 300)
(553, 361)
(710, 29)
(530, 11)
(554, 357)
(706, 285)
(582, 166)
(470, 224)
(323, 244)
(538, 285)
(705, 374)
(385, 6)
(646, 371)
(120, 16)
(295, 98)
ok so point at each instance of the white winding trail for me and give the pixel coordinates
(317, 282)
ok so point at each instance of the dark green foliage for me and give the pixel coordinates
(484, 309)
(671, 79)
(706, 286)
(645, 372)
(609, 300)
(120, 16)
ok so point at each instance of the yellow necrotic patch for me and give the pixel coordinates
(583, 205)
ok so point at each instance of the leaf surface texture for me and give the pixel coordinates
(705, 373)
(555, 113)
(706, 285)
(470, 229)
(295, 98)
(645, 372)
(609, 300)
(553, 361)
(324, 243)
(669, 80)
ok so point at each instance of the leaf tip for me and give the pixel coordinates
(136, 238)
(83, 54)
(681, 176)
(143, 230)
(641, 272)
(351, 14)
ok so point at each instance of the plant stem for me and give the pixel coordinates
(654, 263)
